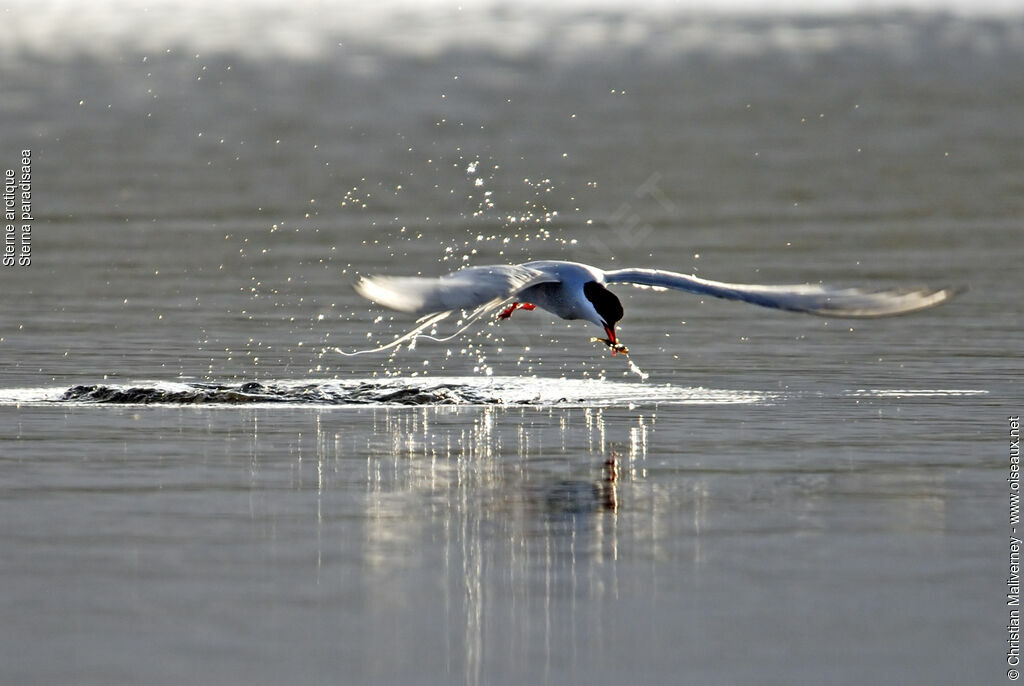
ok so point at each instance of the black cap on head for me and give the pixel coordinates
(605, 302)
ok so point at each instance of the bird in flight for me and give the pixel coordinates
(572, 290)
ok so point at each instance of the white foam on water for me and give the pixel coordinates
(29, 396)
(915, 393)
(363, 392)
(454, 390)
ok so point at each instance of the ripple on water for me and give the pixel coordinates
(414, 391)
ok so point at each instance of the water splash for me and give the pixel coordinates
(636, 370)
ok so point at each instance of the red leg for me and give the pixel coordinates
(507, 312)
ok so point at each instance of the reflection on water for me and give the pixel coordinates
(523, 516)
(516, 530)
(502, 525)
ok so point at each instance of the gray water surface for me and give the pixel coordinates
(194, 487)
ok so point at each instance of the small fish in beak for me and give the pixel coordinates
(612, 341)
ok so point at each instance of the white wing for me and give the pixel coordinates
(477, 288)
(462, 290)
(820, 300)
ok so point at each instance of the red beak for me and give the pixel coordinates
(610, 330)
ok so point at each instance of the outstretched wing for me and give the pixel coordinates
(475, 288)
(462, 290)
(820, 300)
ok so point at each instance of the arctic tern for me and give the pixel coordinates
(572, 290)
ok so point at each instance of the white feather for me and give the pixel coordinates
(461, 290)
(824, 301)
